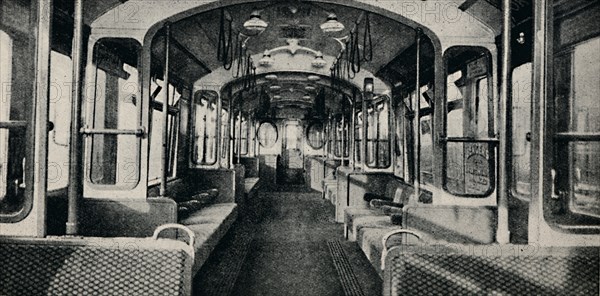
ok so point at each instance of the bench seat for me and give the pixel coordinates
(209, 224)
(250, 184)
(459, 269)
(369, 240)
(95, 266)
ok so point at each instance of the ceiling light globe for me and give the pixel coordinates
(332, 24)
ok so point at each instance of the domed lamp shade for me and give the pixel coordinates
(313, 78)
(319, 62)
(332, 24)
(267, 60)
(275, 87)
(255, 25)
(271, 77)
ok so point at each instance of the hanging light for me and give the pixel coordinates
(332, 24)
(310, 88)
(319, 62)
(277, 97)
(313, 78)
(275, 87)
(267, 60)
(306, 97)
(255, 25)
(271, 77)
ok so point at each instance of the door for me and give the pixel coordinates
(292, 155)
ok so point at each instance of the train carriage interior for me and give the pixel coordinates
(299, 147)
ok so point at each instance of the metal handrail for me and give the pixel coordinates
(13, 124)
(140, 131)
(577, 137)
(388, 235)
(189, 232)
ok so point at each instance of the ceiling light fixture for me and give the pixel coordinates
(332, 24)
(271, 77)
(310, 88)
(267, 60)
(306, 98)
(277, 97)
(255, 25)
(275, 87)
(313, 78)
(319, 62)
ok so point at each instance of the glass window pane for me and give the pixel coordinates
(18, 38)
(585, 156)
(521, 111)
(115, 158)
(470, 156)
(60, 118)
(5, 100)
(267, 134)
(378, 138)
(316, 135)
(399, 143)
(205, 133)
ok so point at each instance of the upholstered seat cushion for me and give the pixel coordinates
(249, 184)
(369, 240)
(209, 224)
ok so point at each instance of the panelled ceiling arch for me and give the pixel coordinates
(193, 25)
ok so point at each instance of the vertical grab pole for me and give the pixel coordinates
(367, 96)
(219, 127)
(75, 151)
(231, 136)
(239, 139)
(343, 138)
(502, 234)
(417, 119)
(353, 132)
(165, 115)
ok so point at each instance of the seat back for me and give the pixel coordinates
(491, 270)
(95, 266)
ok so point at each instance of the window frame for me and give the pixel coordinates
(218, 121)
(492, 142)
(558, 208)
(140, 132)
(272, 124)
(174, 117)
(386, 100)
(309, 128)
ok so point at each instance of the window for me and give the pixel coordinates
(243, 132)
(205, 120)
(60, 120)
(315, 135)
(469, 138)
(225, 138)
(378, 134)
(576, 168)
(18, 28)
(267, 134)
(338, 138)
(400, 130)
(521, 126)
(115, 114)
(426, 137)
(358, 135)
(156, 131)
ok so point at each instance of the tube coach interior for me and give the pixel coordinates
(299, 147)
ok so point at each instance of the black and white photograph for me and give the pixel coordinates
(299, 147)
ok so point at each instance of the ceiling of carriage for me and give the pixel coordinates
(293, 39)
(292, 25)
